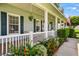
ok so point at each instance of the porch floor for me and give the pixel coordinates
(68, 48)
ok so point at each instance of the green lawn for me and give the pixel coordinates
(77, 33)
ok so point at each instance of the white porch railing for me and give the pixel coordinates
(16, 40)
(21, 39)
(52, 33)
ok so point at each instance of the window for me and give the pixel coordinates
(58, 20)
(13, 24)
(62, 22)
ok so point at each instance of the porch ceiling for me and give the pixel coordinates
(29, 7)
(52, 10)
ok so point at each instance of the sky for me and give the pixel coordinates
(70, 9)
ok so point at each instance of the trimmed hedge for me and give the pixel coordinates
(63, 33)
(71, 33)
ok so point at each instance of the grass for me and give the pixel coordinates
(76, 30)
(77, 33)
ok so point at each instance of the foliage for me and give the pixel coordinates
(72, 33)
(61, 41)
(51, 44)
(30, 18)
(44, 42)
(46, 47)
(76, 33)
(63, 33)
(74, 20)
(39, 50)
(21, 51)
(66, 32)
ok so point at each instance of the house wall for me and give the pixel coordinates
(28, 25)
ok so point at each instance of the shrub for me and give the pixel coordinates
(44, 42)
(72, 33)
(61, 41)
(39, 50)
(63, 33)
(67, 32)
(51, 44)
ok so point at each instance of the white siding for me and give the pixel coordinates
(28, 25)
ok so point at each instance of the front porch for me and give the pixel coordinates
(42, 26)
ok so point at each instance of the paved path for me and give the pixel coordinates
(69, 48)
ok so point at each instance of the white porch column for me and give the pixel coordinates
(63, 24)
(66, 25)
(60, 24)
(46, 23)
(56, 23)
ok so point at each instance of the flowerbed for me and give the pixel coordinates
(44, 48)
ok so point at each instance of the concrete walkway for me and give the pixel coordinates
(69, 48)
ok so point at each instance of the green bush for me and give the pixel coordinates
(63, 33)
(72, 33)
(51, 44)
(61, 41)
(39, 50)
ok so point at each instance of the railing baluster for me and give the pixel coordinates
(31, 38)
(2, 47)
(23, 40)
(14, 43)
(11, 43)
(26, 39)
(6, 45)
(18, 41)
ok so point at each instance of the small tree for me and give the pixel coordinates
(74, 20)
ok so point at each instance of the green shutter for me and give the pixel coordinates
(34, 22)
(21, 24)
(3, 23)
(41, 26)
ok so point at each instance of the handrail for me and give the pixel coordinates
(14, 35)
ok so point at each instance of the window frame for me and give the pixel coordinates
(8, 23)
